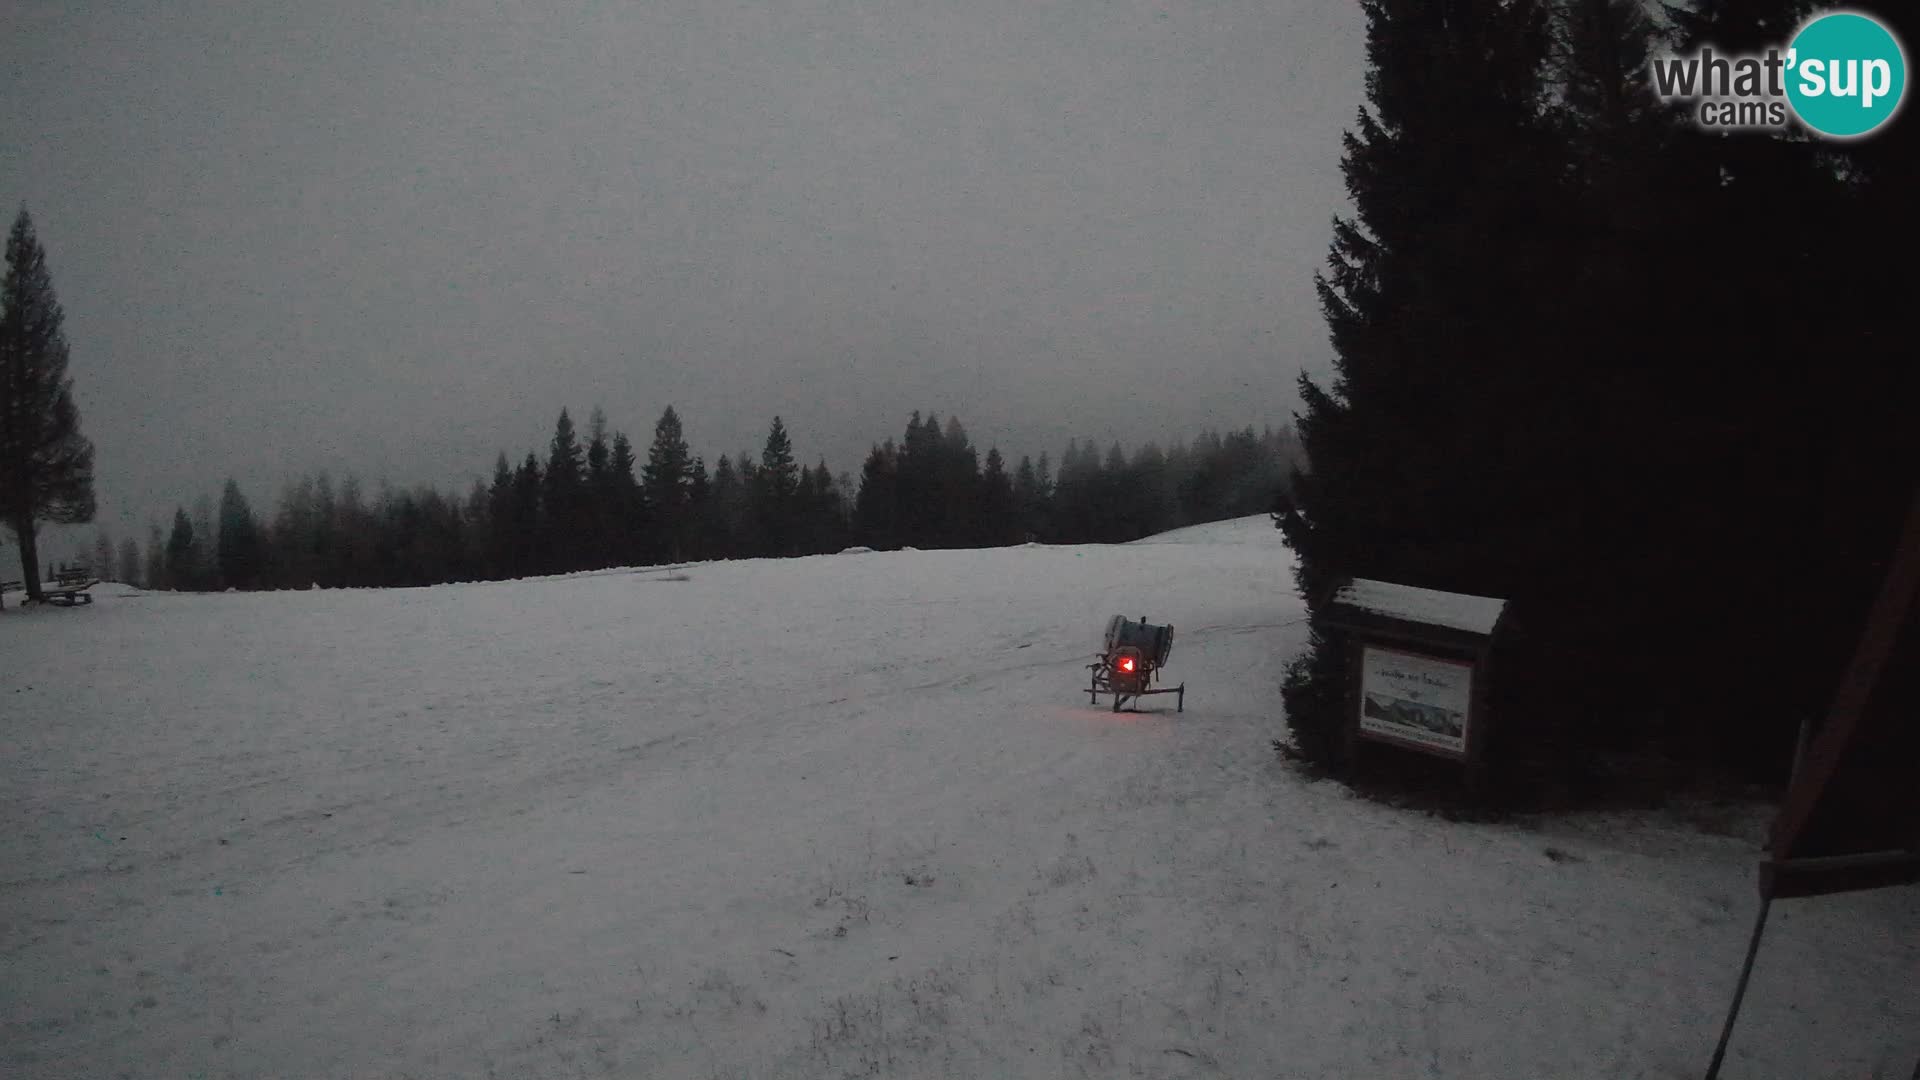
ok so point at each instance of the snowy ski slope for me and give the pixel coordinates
(842, 815)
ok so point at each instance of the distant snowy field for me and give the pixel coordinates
(842, 815)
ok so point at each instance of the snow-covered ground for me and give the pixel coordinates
(844, 815)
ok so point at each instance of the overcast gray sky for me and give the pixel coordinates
(394, 238)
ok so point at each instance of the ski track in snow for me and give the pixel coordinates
(842, 815)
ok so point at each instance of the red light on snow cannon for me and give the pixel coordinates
(1126, 663)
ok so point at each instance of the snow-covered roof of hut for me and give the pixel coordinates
(1457, 611)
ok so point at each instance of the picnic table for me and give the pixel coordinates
(68, 587)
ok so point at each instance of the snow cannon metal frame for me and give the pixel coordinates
(1131, 656)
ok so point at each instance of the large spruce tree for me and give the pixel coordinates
(563, 498)
(1535, 397)
(627, 508)
(664, 483)
(503, 523)
(1437, 320)
(155, 574)
(876, 509)
(527, 513)
(1028, 501)
(128, 565)
(994, 521)
(1795, 391)
(239, 551)
(598, 498)
(776, 484)
(716, 524)
(183, 560)
(46, 465)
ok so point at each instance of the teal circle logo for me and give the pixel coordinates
(1846, 75)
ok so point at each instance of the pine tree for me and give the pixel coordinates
(835, 511)
(779, 476)
(357, 529)
(1113, 498)
(128, 567)
(46, 465)
(957, 488)
(749, 535)
(628, 526)
(156, 571)
(503, 522)
(663, 484)
(1629, 189)
(206, 568)
(1043, 487)
(1733, 26)
(103, 565)
(918, 468)
(1453, 173)
(182, 556)
(1150, 499)
(477, 529)
(1026, 501)
(805, 515)
(599, 451)
(699, 495)
(778, 480)
(622, 464)
(1075, 506)
(326, 543)
(820, 515)
(434, 551)
(1247, 489)
(998, 518)
(876, 507)
(529, 553)
(1736, 431)
(722, 509)
(289, 548)
(239, 541)
(597, 513)
(563, 497)
(392, 528)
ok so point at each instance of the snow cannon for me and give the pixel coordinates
(1131, 656)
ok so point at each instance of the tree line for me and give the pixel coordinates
(1612, 366)
(589, 502)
